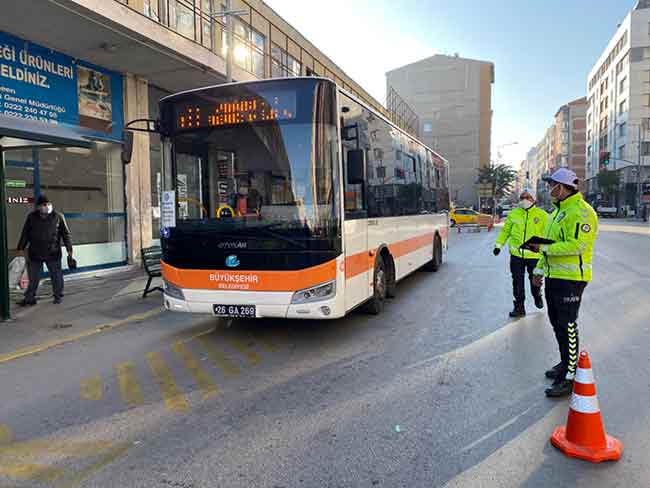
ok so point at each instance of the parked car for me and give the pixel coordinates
(462, 216)
(603, 211)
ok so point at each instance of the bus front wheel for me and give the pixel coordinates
(380, 285)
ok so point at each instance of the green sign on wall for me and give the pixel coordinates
(16, 184)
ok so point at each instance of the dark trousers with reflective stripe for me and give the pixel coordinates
(518, 268)
(563, 298)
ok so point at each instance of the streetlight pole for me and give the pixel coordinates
(496, 177)
(228, 15)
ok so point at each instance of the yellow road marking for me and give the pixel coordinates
(218, 358)
(173, 399)
(37, 472)
(244, 349)
(108, 458)
(192, 364)
(6, 435)
(91, 388)
(28, 351)
(129, 387)
(32, 449)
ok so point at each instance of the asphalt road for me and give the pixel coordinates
(442, 389)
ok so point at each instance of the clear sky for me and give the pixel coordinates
(543, 50)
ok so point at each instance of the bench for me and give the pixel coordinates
(151, 261)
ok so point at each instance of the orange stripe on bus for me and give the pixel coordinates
(358, 263)
(249, 280)
(408, 246)
(364, 261)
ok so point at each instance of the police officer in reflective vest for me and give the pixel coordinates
(566, 267)
(522, 223)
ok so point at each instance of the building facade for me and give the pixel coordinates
(618, 113)
(570, 137)
(90, 66)
(452, 97)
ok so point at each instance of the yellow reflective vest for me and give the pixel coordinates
(520, 226)
(574, 227)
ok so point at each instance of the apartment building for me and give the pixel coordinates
(618, 110)
(452, 97)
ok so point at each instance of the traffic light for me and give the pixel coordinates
(604, 158)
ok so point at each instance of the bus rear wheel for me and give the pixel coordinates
(380, 286)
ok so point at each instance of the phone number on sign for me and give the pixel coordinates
(19, 115)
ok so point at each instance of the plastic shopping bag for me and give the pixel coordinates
(16, 271)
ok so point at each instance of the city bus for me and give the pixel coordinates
(290, 198)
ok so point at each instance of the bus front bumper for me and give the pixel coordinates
(267, 304)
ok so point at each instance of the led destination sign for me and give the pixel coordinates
(236, 110)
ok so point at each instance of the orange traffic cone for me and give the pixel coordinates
(584, 436)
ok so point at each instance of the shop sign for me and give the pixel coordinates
(39, 84)
(20, 200)
(16, 184)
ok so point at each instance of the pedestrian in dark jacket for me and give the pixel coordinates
(43, 232)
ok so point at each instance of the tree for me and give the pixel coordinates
(608, 182)
(500, 176)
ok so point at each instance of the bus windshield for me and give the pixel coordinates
(258, 164)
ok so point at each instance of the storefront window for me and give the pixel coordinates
(86, 185)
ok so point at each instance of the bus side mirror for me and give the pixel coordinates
(356, 164)
(127, 146)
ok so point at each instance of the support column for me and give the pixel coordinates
(5, 312)
(138, 172)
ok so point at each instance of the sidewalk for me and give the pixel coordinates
(92, 303)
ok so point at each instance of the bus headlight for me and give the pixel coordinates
(174, 291)
(315, 294)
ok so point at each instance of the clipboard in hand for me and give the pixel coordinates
(535, 240)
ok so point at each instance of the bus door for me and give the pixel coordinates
(358, 273)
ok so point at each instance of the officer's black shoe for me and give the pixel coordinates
(552, 373)
(560, 388)
(518, 311)
(57, 300)
(539, 302)
(26, 303)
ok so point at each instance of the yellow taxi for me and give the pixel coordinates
(465, 216)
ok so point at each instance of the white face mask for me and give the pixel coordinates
(525, 204)
(46, 209)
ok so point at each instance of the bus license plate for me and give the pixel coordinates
(234, 311)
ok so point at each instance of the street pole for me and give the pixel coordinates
(231, 47)
(5, 312)
(638, 178)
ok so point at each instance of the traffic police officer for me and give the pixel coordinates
(522, 223)
(566, 265)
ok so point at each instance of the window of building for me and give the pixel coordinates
(621, 152)
(283, 65)
(589, 151)
(621, 85)
(621, 129)
(427, 127)
(249, 46)
(381, 172)
(645, 148)
(646, 53)
(589, 135)
(645, 99)
(181, 17)
(622, 107)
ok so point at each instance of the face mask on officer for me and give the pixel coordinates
(46, 209)
(557, 192)
(526, 201)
